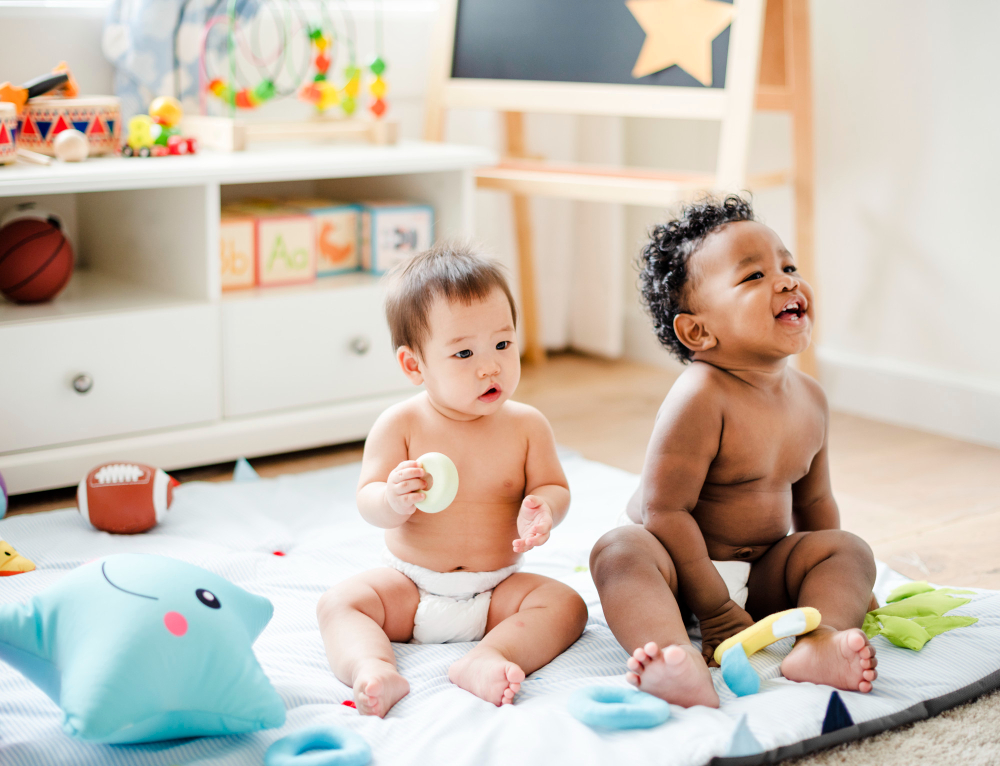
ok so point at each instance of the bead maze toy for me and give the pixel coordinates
(279, 52)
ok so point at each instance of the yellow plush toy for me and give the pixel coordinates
(12, 562)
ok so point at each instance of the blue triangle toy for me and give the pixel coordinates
(244, 471)
(743, 742)
(837, 716)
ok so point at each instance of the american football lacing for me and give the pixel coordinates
(119, 473)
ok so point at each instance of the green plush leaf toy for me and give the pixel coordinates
(914, 614)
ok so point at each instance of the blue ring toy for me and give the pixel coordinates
(616, 707)
(330, 746)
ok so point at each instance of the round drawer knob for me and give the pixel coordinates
(83, 383)
(360, 345)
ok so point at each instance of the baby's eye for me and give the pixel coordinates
(465, 354)
(502, 345)
(790, 269)
(755, 275)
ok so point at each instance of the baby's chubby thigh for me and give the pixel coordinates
(384, 596)
(537, 618)
(778, 576)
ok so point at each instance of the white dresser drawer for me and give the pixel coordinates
(148, 370)
(302, 347)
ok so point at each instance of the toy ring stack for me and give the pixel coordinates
(319, 746)
(444, 486)
(616, 707)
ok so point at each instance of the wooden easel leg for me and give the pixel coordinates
(800, 77)
(534, 351)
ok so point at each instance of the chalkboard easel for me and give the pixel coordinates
(574, 56)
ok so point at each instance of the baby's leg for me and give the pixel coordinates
(531, 620)
(637, 582)
(357, 619)
(833, 571)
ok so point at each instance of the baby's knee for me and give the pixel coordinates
(848, 545)
(617, 551)
(571, 609)
(342, 598)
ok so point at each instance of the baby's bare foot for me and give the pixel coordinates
(487, 674)
(377, 687)
(677, 674)
(840, 658)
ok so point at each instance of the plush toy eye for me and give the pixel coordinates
(207, 598)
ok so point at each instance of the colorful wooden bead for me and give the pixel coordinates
(378, 107)
(377, 87)
(328, 97)
(377, 66)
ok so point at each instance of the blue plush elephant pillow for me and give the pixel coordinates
(139, 648)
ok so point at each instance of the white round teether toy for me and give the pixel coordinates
(444, 486)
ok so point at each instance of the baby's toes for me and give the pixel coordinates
(640, 656)
(857, 642)
(632, 678)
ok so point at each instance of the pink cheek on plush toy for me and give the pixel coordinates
(175, 623)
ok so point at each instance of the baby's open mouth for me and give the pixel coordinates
(793, 311)
(491, 395)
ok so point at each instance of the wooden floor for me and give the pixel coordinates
(928, 505)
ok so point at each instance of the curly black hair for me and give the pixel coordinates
(663, 270)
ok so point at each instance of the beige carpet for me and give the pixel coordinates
(968, 735)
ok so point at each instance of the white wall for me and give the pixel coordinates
(907, 122)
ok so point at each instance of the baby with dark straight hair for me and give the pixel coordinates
(738, 456)
(452, 575)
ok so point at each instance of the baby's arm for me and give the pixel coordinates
(813, 506)
(546, 491)
(684, 443)
(390, 485)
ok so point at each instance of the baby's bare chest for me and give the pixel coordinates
(490, 462)
(770, 442)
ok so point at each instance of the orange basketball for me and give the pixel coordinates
(36, 260)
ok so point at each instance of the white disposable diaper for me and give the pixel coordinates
(736, 574)
(453, 605)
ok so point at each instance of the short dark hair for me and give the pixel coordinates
(454, 271)
(663, 263)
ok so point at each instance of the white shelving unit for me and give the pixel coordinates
(181, 373)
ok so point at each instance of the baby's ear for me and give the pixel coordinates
(410, 364)
(693, 333)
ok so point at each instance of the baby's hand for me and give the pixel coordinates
(534, 523)
(405, 487)
(716, 628)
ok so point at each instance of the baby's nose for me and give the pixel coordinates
(786, 282)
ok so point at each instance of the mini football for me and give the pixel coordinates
(125, 498)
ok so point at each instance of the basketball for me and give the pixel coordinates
(36, 259)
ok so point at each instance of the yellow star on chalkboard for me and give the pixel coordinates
(679, 32)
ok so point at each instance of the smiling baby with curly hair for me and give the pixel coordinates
(738, 456)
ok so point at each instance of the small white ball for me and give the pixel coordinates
(71, 146)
